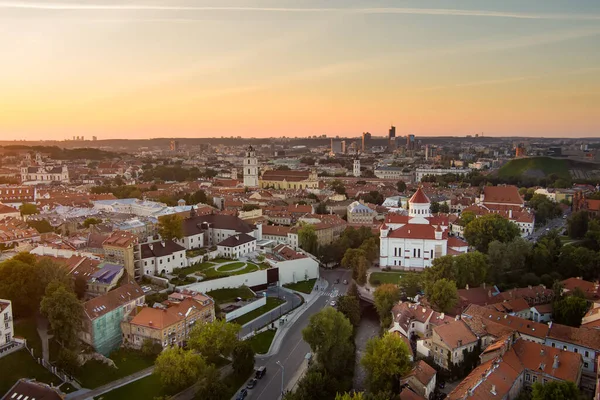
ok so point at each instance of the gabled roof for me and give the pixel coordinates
(502, 194)
(160, 249)
(416, 231)
(31, 390)
(455, 334)
(586, 337)
(419, 197)
(193, 226)
(236, 240)
(112, 300)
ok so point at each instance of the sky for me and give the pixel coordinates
(274, 68)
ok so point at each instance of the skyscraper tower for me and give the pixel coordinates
(366, 139)
(392, 137)
(250, 168)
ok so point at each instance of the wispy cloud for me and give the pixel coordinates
(373, 10)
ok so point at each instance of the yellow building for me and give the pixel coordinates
(285, 179)
(170, 325)
(121, 248)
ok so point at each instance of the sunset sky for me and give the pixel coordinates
(200, 68)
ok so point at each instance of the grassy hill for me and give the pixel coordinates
(535, 167)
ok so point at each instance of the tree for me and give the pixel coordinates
(211, 386)
(63, 310)
(330, 336)
(467, 217)
(443, 295)
(214, 339)
(321, 208)
(370, 247)
(338, 187)
(243, 358)
(569, 310)
(578, 261)
(435, 207)
(67, 360)
(444, 208)
(28, 209)
(151, 347)
(350, 307)
(307, 238)
(401, 186)
(386, 296)
(178, 368)
(555, 390)
(42, 226)
(91, 221)
(350, 396)
(544, 208)
(577, 225)
(411, 284)
(483, 230)
(355, 260)
(385, 360)
(80, 286)
(508, 259)
(170, 226)
(465, 269)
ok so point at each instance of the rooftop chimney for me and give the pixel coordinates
(493, 390)
(555, 363)
(467, 286)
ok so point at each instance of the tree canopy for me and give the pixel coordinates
(64, 312)
(214, 339)
(178, 368)
(443, 295)
(385, 297)
(28, 209)
(483, 230)
(555, 390)
(307, 238)
(170, 226)
(385, 360)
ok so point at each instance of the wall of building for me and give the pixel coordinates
(246, 309)
(297, 270)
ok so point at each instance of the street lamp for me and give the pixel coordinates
(282, 371)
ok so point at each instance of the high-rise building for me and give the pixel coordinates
(250, 168)
(366, 139)
(410, 142)
(356, 169)
(94, 138)
(174, 145)
(392, 137)
(343, 146)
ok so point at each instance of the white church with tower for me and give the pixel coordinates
(413, 241)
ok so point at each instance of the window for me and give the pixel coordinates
(587, 353)
(576, 350)
(565, 348)
(534, 378)
(527, 378)
(586, 365)
(553, 345)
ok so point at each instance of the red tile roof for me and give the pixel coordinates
(419, 197)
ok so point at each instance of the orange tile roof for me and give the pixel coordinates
(419, 197)
(455, 334)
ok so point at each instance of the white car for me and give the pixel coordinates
(332, 303)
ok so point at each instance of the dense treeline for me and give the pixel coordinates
(57, 153)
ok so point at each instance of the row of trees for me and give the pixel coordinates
(33, 285)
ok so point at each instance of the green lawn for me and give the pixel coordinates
(262, 342)
(95, 373)
(272, 302)
(229, 295)
(27, 328)
(195, 268)
(145, 388)
(220, 273)
(545, 165)
(230, 267)
(304, 286)
(21, 365)
(221, 260)
(386, 277)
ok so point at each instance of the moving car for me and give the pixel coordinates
(332, 303)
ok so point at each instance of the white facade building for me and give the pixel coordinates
(421, 172)
(356, 169)
(162, 257)
(237, 246)
(250, 168)
(360, 214)
(413, 241)
(44, 174)
(7, 331)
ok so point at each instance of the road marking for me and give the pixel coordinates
(279, 368)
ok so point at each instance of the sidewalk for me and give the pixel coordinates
(293, 316)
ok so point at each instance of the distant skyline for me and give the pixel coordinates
(121, 69)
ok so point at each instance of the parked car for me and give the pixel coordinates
(345, 281)
(260, 372)
(337, 281)
(332, 303)
(242, 395)
(251, 383)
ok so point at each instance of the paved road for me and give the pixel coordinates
(293, 348)
(557, 223)
(291, 301)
